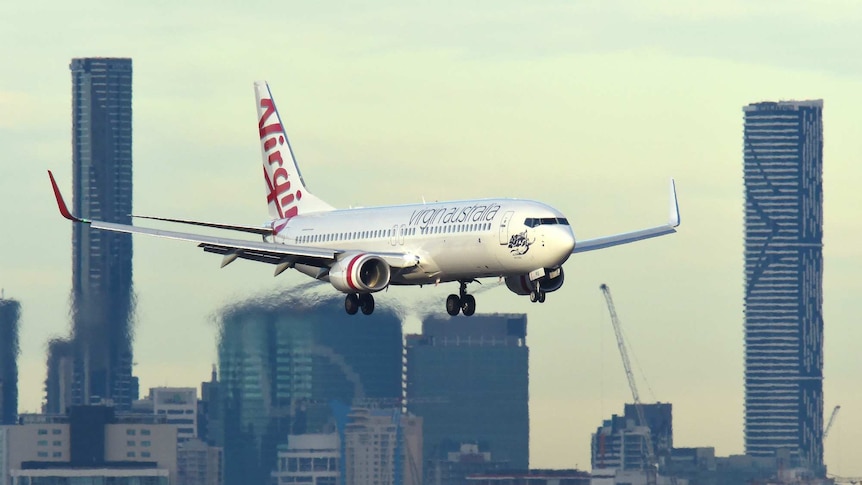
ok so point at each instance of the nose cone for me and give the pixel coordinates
(561, 242)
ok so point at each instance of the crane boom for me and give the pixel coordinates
(651, 461)
(831, 420)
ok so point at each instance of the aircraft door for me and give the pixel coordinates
(401, 232)
(393, 239)
(504, 227)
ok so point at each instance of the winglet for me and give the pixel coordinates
(61, 204)
(674, 206)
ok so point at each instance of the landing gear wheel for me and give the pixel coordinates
(351, 303)
(453, 305)
(468, 305)
(534, 296)
(541, 296)
(366, 303)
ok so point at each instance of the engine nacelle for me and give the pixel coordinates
(521, 285)
(360, 273)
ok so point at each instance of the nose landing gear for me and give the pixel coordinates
(461, 303)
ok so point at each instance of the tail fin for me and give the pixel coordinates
(286, 193)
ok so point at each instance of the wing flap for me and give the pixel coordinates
(229, 243)
(263, 231)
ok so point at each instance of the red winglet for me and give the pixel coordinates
(61, 204)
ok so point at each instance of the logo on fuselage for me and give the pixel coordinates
(520, 243)
(454, 215)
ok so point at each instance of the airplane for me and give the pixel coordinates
(361, 251)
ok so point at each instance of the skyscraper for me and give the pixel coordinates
(10, 311)
(102, 298)
(58, 383)
(783, 147)
(468, 379)
(282, 362)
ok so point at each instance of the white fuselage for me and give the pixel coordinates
(456, 240)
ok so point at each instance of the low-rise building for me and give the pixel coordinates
(309, 458)
(87, 446)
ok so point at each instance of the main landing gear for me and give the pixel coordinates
(354, 302)
(537, 295)
(462, 302)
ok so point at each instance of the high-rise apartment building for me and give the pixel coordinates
(468, 381)
(382, 447)
(102, 298)
(620, 443)
(10, 310)
(783, 147)
(283, 362)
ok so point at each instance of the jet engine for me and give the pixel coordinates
(521, 285)
(360, 273)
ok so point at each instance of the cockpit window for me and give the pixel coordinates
(541, 221)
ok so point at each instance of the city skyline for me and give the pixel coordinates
(610, 100)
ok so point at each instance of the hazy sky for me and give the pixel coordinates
(587, 105)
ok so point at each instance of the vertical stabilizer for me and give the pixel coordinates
(286, 193)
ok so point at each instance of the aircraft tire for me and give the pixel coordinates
(468, 305)
(453, 305)
(541, 296)
(366, 303)
(351, 303)
(534, 296)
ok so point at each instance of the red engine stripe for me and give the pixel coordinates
(350, 270)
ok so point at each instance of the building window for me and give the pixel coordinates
(130, 454)
(145, 432)
(58, 443)
(43, 431)
(43, 454)
(130, 443)
(57, 454)
(145, 443)
(145, 454)
(42, 443)
(56, 431)
(130, 432)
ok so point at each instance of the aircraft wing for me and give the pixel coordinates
(628, 237)
(280, 254)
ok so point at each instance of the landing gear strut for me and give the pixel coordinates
(354, 302)
(538, 294)
(461, 303)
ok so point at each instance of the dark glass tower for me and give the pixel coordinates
(282, 364)
(783, 148)
(102, 298)
(467, 378)
(10, 310)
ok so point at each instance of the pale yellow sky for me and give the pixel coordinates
(589, 106)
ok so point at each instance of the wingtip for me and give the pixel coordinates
(61, 204)
(674, 205)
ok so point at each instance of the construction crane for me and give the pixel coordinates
(831, 420)
(650, 458)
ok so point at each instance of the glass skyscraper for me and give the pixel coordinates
(102, 297)
(783, 151)
(281, 365)
(10, 311)
(468, 379)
